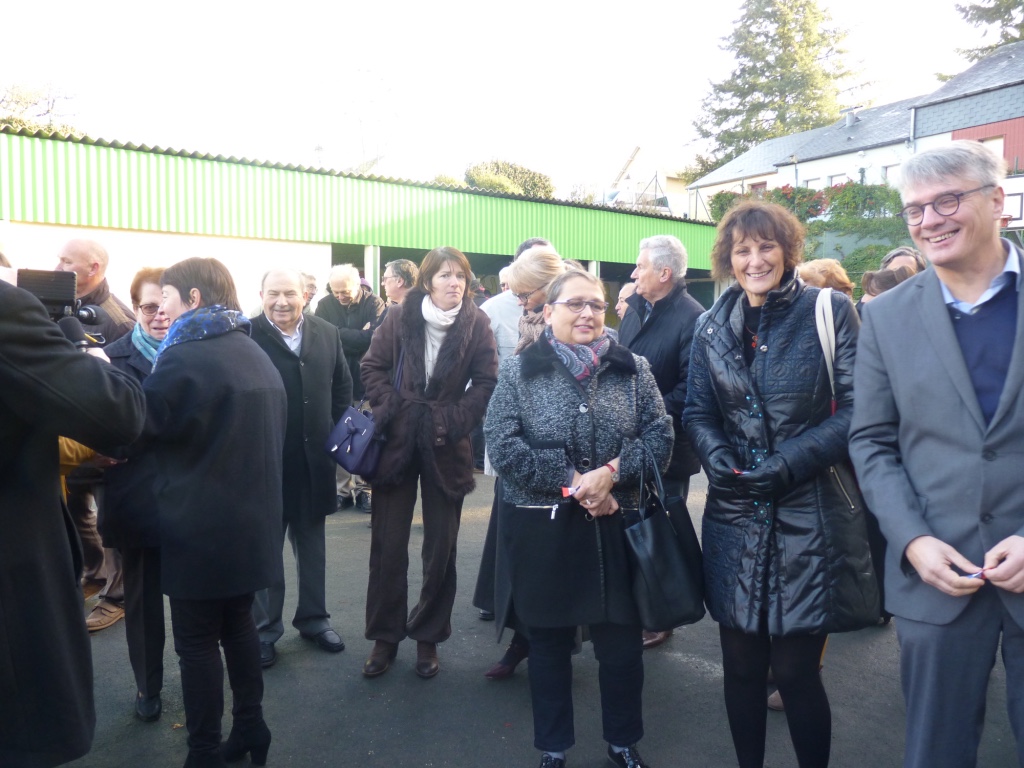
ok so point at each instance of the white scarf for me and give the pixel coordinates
(438, 322)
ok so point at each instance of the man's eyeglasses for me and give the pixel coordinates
(576, 305)
(149, 309)
(525, 297)
(944, 205)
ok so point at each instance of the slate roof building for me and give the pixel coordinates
(985, 103)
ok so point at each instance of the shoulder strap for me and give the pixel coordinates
(825, 322)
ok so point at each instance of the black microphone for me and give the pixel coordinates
(74, 332)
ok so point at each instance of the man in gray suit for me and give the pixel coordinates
(937, 439)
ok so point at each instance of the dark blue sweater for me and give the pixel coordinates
(986, 341)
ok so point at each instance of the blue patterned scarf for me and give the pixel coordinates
(581, 360)
(145, 343)
(203, 323)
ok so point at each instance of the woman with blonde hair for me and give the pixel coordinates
(529, 277)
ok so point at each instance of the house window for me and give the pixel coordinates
(835, 181)
(758, 190)
(813, 183)
(890, 173)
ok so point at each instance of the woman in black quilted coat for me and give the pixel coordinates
(783, 564)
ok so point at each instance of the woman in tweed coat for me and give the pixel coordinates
(575, 409)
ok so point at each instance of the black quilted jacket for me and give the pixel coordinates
(783, 562)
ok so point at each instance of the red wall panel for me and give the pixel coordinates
(1012, 132)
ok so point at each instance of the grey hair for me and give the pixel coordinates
(504, 273)
(904, 250)
(970, 159)
(557, 285)
(342, 271)
(405, 270)
(665, 251)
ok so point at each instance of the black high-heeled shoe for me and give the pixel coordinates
(252, 739)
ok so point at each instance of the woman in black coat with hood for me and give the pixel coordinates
(216, 424)
(784, 563)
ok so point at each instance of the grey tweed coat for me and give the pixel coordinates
(562, 569)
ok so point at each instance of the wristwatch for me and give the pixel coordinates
(615, 473)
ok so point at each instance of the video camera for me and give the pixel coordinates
(56, 291)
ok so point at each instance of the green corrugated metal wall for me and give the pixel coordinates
(55, 181)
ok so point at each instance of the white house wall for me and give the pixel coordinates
(35, 246)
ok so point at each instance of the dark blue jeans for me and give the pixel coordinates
(199, 626)
(619, 652)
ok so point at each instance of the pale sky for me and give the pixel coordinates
(566, 88)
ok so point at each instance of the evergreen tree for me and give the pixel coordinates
(1006, 15)
(785, 81)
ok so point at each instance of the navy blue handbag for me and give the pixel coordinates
(352, 442)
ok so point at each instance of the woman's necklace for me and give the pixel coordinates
(753, 335)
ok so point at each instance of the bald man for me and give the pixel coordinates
(307, 352)
(88, 260)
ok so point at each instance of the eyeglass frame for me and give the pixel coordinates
(958, 196)
(597, 310)
(525, 297)
(142, 308)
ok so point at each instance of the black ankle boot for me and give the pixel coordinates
(254, 739)
(204, 760)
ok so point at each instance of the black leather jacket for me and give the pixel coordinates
(777, 559)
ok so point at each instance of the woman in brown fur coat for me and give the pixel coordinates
(446, 343)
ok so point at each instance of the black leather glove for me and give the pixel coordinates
(769, 481)
(720, 468)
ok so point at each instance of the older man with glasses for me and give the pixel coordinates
(936, 439)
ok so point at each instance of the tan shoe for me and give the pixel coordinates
(775, 702)
(105, 614)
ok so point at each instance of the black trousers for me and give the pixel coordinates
(144, 617)
(199, 626)
(619, 652)
(387, 595)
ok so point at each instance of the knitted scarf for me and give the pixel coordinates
(145, 343)
(203, 323)
(581, 360)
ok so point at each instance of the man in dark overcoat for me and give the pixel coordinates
(47, 388)
(660, 329)
(309, 355)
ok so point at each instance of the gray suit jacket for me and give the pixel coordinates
(927, 463)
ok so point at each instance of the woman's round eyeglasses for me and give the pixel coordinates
(525, 297)
(149, 309)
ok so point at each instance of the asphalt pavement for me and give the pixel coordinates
(323, 712)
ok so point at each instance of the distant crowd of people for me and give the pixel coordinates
(191, 447)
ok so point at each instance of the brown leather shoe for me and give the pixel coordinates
(381, 656)
(105, 614)
(427, 664)
(517, 651)
(654, 639)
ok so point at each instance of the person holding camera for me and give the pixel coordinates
(47, 389)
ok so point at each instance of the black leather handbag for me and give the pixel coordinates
(666, 561)
(353, 442)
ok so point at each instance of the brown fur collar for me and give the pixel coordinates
(449, 357)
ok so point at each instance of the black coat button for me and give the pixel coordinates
(989, 455)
